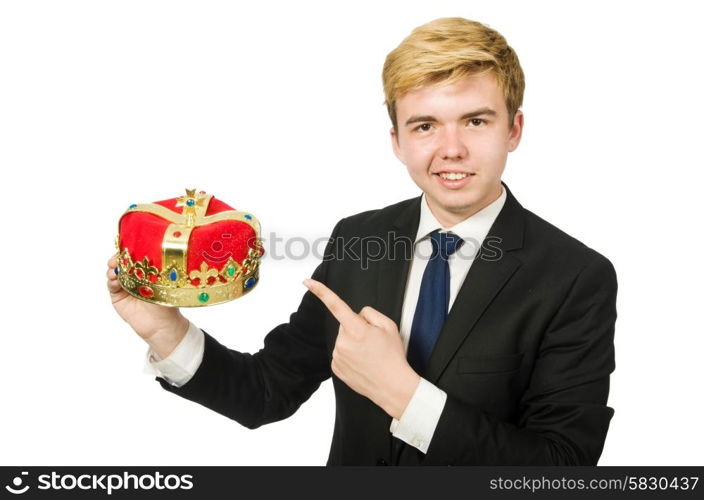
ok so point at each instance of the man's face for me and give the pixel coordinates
(454, 140)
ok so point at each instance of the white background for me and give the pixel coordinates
(276, 108)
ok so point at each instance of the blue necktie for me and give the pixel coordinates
(433, 300)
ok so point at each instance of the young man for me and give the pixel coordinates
(495, 350)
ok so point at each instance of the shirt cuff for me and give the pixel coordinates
(420, 418)
(179, 366)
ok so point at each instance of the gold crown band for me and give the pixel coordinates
(174, 250)
(145, 282)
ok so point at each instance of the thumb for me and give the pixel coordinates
(376, 318)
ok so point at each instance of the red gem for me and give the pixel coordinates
(145, 291)
(153, 278)
(139, 273)
(195, 281)
(211, 280)
(177, 234)
(124, 261)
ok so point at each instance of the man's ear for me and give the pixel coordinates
(395, 145)
(514, 137)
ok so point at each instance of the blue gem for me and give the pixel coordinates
(173, 275)
(248, 217)
(250, 282)
(133, 205)
(190, 202)
(116, 271)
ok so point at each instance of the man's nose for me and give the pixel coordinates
(452, 146)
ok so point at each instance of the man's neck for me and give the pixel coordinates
(449, 219)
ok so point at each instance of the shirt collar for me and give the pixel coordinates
(475, 227)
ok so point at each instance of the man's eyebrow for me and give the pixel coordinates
(423, 118)
(478, 112)
(471, 114)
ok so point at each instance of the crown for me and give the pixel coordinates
(189, 251)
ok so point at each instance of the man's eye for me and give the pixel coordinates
(424, 127)
(476, 121)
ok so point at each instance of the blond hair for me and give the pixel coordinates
(446, 50)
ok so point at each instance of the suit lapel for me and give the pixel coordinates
(487, 275)
(393, 271)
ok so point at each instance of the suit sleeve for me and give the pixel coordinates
(270, 385)
(563, 414)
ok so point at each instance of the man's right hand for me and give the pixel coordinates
(161, 327)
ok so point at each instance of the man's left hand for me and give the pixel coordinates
(369, 356)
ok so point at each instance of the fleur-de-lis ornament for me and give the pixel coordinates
(203, 274)
(146, 269)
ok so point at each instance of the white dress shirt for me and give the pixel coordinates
(420, 418)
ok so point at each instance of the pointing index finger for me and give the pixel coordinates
(337, 307)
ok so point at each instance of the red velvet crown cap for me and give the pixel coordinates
(143, 233)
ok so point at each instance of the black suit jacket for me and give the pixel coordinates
(524, 356)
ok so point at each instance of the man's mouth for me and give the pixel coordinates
(454, 180)
(454, 176)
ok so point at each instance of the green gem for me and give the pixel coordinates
(231, 270)
(203, 297)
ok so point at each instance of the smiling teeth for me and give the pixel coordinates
(455, 176)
